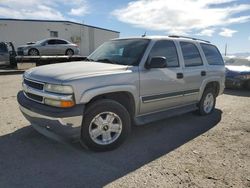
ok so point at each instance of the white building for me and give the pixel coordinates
(88, 38)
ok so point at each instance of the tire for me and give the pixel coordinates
(207, 103)
(99, 118)
(33, 52)
(69, 52)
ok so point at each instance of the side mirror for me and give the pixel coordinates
(156, 62)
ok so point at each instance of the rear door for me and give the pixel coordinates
(4, 54)
(194, 70)
(61, 47)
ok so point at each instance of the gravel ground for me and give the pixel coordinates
(184, 151)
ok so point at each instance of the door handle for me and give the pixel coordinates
(179, 75)
(203, 73)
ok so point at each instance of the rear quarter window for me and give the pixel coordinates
(212, 54)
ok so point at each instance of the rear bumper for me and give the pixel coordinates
(56, 123)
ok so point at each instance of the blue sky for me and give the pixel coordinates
(219, 21)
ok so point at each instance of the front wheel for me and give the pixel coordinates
(105, 126)
(207, 102)
(33, 52)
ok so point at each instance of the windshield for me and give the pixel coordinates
(41, 41)
(237, 61)
(123, 51)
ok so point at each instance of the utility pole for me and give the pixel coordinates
(226, 49)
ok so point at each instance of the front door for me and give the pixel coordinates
(161, 88)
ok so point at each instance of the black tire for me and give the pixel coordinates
(201, 106)
(99, 107)
(33, 52)
(69, 52)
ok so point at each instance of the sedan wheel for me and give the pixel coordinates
(33, 52)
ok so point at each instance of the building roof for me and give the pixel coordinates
(58, 21)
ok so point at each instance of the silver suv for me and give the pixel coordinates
(50, 46)
(124, 82)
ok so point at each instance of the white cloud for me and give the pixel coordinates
(225, 32)
(41, 9)
(182, 16)
(78, 11)
(206, 32)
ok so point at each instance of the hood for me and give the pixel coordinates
(57, 73)
(239, 69)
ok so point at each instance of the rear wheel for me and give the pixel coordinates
(69, 52)
(106, 124)
(33, 52)
(207, 102)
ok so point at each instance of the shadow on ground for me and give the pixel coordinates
(28, 159)
(238, 92)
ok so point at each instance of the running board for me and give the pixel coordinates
(144, 119)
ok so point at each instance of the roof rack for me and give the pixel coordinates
(177, 36)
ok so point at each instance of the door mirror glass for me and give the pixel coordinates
(157, 62)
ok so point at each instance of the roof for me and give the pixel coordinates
(173, 37)
(58, 21)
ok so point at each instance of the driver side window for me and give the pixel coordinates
(167, 49)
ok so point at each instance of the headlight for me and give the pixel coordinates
(58, 89)
(59, 103)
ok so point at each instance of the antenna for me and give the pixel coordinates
(144, 35)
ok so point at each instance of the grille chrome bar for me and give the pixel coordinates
(34, 84)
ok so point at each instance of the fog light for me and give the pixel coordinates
(57, 103)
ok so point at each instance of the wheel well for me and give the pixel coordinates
(215, 85)
(124, 98)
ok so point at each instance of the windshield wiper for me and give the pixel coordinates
(105, 60)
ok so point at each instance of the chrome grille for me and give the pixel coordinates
(34, 84)
(34, 97)
(29, 86)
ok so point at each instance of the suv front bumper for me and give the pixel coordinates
(63, 124)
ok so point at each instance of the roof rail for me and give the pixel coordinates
(177, 36)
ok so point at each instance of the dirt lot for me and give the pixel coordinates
(184, 151)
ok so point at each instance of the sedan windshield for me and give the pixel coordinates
(123, 51)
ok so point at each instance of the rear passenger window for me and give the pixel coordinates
(212, 54)
(166, 49)
(61, 42)
(191, 54)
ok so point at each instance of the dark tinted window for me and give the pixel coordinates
(166, 49)
(61, 42)
(191, 54)
(51, 42)
(3, 47)
(212, 54)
